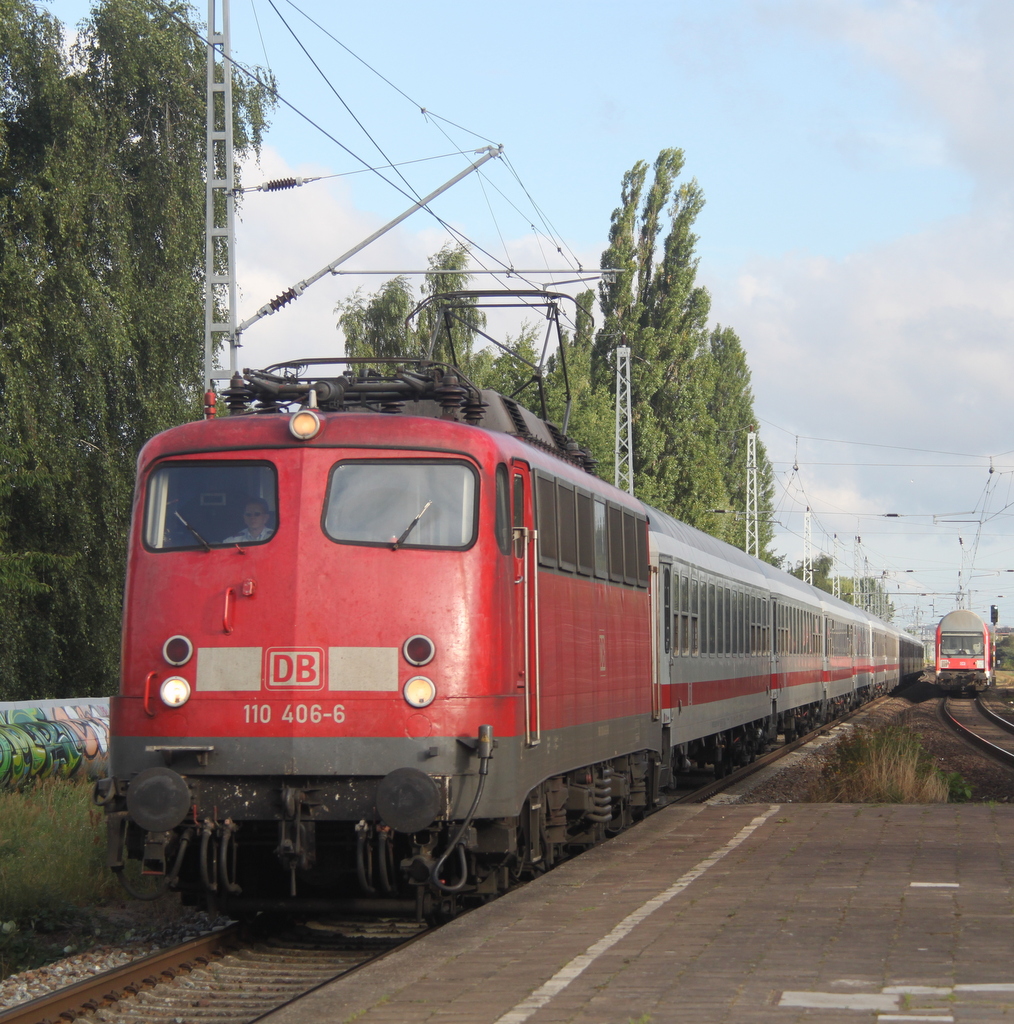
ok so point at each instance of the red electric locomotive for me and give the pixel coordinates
(388, 640)
(964, 652)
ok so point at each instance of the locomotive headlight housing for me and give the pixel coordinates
(945, 663)
(419, 691)
(418, 650)
(174, 691)
(177, 650)
(304, 425)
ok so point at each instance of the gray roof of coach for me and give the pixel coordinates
(961, 619)
(662, 522)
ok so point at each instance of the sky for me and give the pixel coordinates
(856, 160)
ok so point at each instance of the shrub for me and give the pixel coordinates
(885, 765)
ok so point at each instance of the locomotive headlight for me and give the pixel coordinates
(419, 691)
(945, 663)
(304, 425)
(175, 691)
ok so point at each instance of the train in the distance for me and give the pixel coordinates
(389, 642)
(963, 652)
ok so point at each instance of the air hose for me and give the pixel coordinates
(485, 752)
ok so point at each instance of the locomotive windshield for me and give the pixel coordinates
(420, 504)
(210, 504)
(956, 645)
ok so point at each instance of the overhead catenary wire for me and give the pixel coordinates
(429, 114)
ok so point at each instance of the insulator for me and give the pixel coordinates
(280, 183)
(283, 300)
(450, 394)
(474, 410)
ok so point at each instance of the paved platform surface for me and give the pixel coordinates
(823, 913)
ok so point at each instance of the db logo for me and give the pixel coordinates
(294, 668)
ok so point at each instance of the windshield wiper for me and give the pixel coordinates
(411, 526)
(207, 546)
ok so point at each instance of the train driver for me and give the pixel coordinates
(255, 516)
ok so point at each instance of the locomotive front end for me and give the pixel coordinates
(963, 653)
(309, 693)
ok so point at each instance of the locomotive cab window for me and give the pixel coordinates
(957, 645)
(419, 503)
(205, 505)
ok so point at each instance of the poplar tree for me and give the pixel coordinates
(690, 395)
(655, 307)
(101, 312)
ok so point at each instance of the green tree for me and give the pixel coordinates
(101, 322)
(655, 306)
(731, 409)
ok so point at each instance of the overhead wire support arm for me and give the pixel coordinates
(489, 152)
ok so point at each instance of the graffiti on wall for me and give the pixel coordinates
(53, 739)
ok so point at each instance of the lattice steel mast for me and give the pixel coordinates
(623, 476)
(220, 199)
(752, 517)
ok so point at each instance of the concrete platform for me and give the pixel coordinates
(727, 913)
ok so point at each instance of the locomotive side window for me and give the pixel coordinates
(601, 540)
(567, 510)
(545, 512)
(419, 503)
(201, 505)
(585, 535)
(616, 544)
(630, 572)
(503, 511)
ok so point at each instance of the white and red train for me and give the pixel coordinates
(963, 652)
(386, 638)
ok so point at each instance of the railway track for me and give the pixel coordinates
(710, 789)
(980, 727)
(223, 978)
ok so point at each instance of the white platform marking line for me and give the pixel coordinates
(934, 885)
(566, 974)
(909, 1016)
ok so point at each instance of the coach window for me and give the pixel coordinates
(545, 496)
(712, 619)
(667, 608)
(209, 504)
(503, 511)
(684, 614)
(719, 647)
(585, 535)
(729, 611)
(567, 519)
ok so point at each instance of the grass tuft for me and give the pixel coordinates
(52, 864)
(886, 765)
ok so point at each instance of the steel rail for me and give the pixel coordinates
(999, 754)
(124, 981)
(1004, 723)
